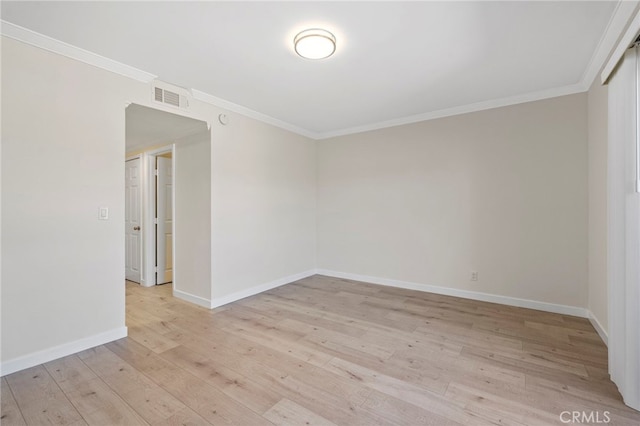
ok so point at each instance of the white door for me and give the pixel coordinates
(132, 219)
(164, 214)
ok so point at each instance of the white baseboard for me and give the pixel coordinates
(466, 294)
(46, 355)
(41, 357)
(599, 329)
(219, 301)
(192, 298)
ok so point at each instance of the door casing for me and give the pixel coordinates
(164, 220)
(148, 276)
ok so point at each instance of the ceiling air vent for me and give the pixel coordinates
(170, 95)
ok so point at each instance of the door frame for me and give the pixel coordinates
(149, 202)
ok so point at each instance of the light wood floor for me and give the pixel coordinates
(325, 351)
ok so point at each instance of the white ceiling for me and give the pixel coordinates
(395, 61)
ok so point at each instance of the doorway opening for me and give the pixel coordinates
(154, 169)
(158, 184)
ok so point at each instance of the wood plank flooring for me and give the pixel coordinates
(325, 351)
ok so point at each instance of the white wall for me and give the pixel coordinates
(502, 192)
(597, 127)
(63, 269)
(192, 259)
(263, 207)
(62, 158)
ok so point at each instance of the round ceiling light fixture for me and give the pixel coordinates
(315, 43)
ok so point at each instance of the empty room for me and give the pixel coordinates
(320, 213)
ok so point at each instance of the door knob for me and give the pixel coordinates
(136, 228)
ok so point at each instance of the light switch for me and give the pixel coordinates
(103, 213)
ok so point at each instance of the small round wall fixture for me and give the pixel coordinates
(315, 43)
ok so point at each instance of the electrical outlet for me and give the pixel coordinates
(474, 276)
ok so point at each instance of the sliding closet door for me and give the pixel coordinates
(624, 230)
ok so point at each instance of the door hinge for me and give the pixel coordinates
(155, 269)
(155, 172)
(155, 221)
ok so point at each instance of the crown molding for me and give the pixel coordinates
(620, 18)
(41, 41)
(223, 103)
(33, 38)
(625, 42)
(462, 109)
(618, 22)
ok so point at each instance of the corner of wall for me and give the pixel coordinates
(597, 142)
(192, 298)
(219, 301)
(599, 329)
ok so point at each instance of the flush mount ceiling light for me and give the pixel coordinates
(315, 43)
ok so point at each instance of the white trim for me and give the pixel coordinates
(599, 328)
(219, 301)
(46, 355)
(466, 294)
(173, 215)
(50, 44)
(56, 46)
(192, 298)
(615, 27)
(148, 222)
(625, 41)
(148, 260)
(33, 38)
(247, 112)
(148, 203)
(457, 110)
